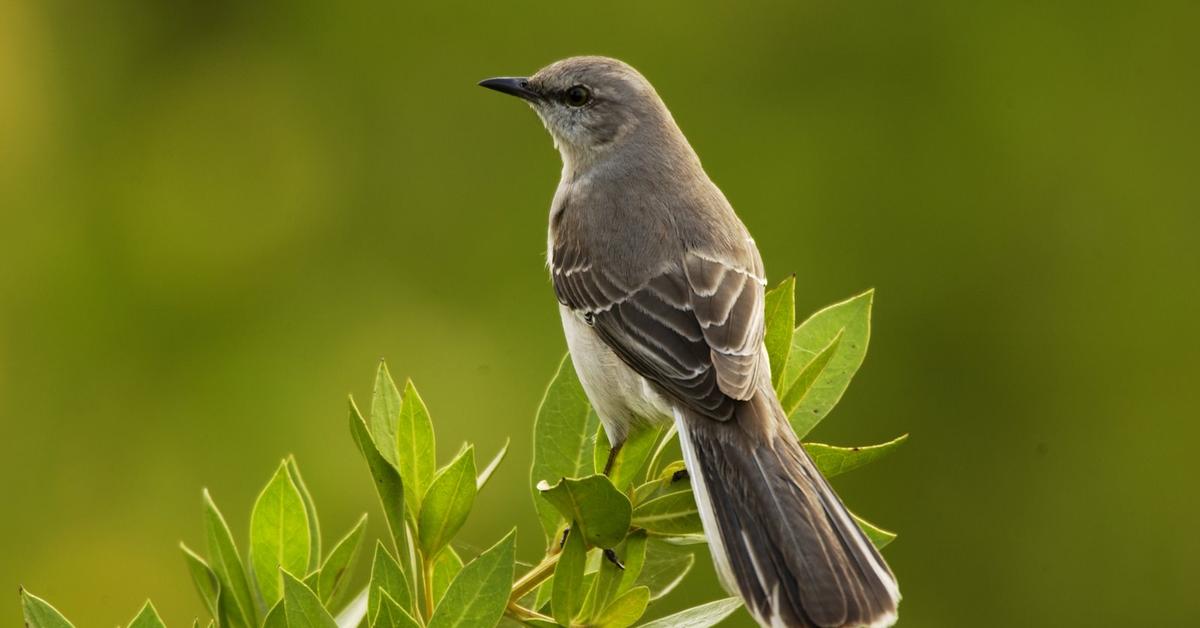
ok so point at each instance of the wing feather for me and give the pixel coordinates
(694, 327)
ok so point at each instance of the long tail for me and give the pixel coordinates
(780, 537)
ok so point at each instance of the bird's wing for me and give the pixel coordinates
(694, 327)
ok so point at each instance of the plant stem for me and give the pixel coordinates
(533, 578)
(427, 581)
(520, 613)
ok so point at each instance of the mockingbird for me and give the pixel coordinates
(660, 289)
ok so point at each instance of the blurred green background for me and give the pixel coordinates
(216, 216)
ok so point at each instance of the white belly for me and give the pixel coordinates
(621, 397)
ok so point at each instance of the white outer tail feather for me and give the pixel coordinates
(721, 556)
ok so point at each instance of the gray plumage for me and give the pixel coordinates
(661, 296)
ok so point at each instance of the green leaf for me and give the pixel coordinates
(625, 610)
(301, 606)
(310, 508)
(780, 317)
(446, 566)
(568, 592)
(664, 568)
(478, 595)
(388, 485)
(599, 510)
(666, 482)
(838, 460)
(39, 614)
(447, 503)
(672, 514)
(850, 318)
(703, 616)
(791, 398)
(385, 412)
(278, 534)
(487, 472)
(388, 577)
(879, 537)
(630, 459)
(635, 559)
(147, 618)
(415, 445)
(606, 586)
(227, 564)
(336, 569)
(203, 577)
(277, 616)
(391, 615)
(543, 594)
(563, 440)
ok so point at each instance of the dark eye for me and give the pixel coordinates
(578, 96)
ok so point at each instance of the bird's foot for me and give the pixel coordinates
(614, 559)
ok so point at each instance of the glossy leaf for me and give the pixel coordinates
(302, 609)
(336, 569)
(446, 566)
(630, 460)
(388, 485)
(599, 510)
(203, 578)
(277, 616)
(447, 503)
(791, 398)
(227, 564)
(779, 308)
(667, 481)
(385, 413)
(625, 610)
(391, 615)
(664, 568)
(672, 514)
(279, 536)
(606, 584)
(491, 467)
(852, 319)
(834, 461)
(540, 598)
(634, 558)
(415, 445)
(568, 592)
(39, 613)
(310, 508)
(147, 618)
(479, 593)
(387, 577)
(703, 616)
(880, 538)
(563, 441)
(355, 612)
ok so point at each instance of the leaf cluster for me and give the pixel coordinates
(621, 527)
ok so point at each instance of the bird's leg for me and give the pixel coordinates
(612, 457)
(614, 559)
(563, 540)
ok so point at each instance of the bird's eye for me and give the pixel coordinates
(578, 96)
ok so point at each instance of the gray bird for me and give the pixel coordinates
(660, 289)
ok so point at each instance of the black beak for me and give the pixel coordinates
(513, 86)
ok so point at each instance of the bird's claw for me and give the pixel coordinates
(612, 557)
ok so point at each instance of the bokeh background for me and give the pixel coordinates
(215, 217)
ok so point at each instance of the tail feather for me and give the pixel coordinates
(779, 535)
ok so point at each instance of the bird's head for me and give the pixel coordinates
(592, 106)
